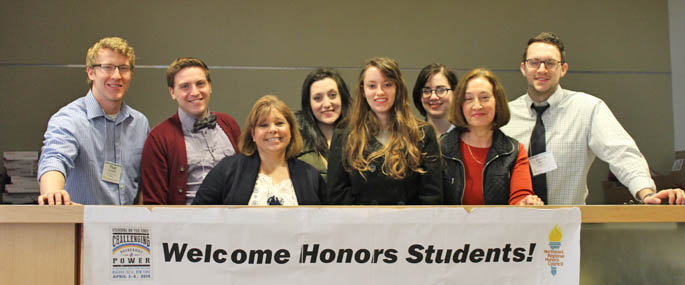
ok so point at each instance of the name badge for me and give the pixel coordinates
(111, 172)
(542, 163)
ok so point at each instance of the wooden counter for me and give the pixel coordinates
(32, 214)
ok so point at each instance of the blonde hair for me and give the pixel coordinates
(116, 44)
(401, 153)
(262, 108)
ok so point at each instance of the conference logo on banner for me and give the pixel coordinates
(131, 257)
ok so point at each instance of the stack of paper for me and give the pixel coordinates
(22, 167)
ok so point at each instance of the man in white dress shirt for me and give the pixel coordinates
(575, 128)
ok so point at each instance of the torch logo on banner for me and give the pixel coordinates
(555, 255)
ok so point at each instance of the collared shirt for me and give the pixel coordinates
(578, 127)
(79, 139)
(204, 150)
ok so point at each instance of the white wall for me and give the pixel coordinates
(676, 15)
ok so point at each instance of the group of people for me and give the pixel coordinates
(365, 148)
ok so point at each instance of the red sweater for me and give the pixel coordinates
(164, 163)
(519, 187)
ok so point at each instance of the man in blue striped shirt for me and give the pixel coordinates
(92, 147)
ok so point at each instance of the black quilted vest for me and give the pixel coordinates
(496, 174)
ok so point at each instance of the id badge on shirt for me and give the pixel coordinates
(111, 172)
(542, 163)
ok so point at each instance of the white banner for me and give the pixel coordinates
(282, 245)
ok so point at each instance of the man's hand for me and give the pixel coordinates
(60, 197)
(52, 189)
(673, 196)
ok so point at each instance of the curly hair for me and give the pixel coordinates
(402, 154)
(116, 44)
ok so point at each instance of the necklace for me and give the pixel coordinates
(474, 157)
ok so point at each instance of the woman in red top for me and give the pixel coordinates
(483, 165)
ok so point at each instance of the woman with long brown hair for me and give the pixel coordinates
(385, 156)
(325, 103)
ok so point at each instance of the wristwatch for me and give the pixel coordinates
(642, 201)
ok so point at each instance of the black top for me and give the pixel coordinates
(231, 182)
(350, 188)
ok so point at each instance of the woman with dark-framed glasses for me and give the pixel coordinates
(433, 92)
(483, 165)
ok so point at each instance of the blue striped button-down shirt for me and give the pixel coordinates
(78, 141)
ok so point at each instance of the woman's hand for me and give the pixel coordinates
(531, 200)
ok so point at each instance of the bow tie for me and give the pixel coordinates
(207, 122)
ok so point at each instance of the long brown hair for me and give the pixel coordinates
(402, 154)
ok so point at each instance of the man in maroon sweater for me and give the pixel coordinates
(180, 151)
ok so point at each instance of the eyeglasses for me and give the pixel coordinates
(440, 91)
(550, 64)
(109, 68)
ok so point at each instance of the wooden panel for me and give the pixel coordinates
(590, 213)
(633, 214)
(37, 253)
(41, 214)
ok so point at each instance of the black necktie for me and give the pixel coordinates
(537, 145)
(207, 122)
